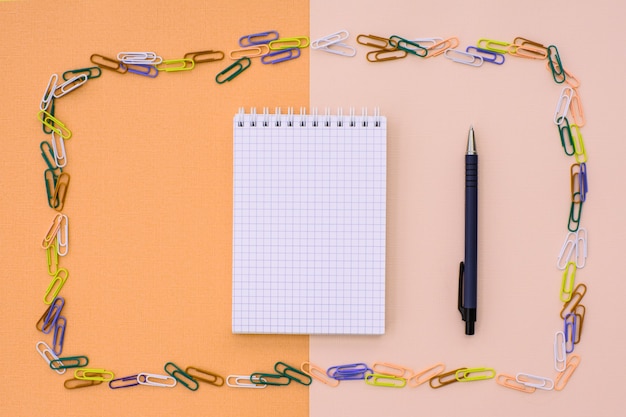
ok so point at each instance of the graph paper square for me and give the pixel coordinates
(309, 224)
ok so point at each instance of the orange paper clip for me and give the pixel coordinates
(563, 378)
(318, 373)
(425, 375)
(386, 368)
(442, 46)
(510, 382)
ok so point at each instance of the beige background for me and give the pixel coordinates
(150, 203)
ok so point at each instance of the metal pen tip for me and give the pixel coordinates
(471, 142)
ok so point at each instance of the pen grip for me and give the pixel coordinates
(471, 231)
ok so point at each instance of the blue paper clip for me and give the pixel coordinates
(143, 69)
(59, 335)
(125, 382)
(258, 38)
(487, 55)
(54, 312)
(276, 56)
(569, 325)
(584, 186)
(349, 372)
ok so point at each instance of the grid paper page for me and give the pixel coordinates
(309, 224)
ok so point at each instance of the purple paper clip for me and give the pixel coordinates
(125, 382)
(584, 187)
(258, 38)
(349, 372)
(570, 332)
(59, 335)
(486, 55)
(143, 69)
(276, 56)
(53, 315)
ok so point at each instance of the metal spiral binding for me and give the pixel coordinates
(311, 119)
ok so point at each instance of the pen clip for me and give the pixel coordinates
(461, 282)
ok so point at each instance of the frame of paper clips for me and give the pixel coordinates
(270, 48)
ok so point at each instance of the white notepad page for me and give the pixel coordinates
(309, 194)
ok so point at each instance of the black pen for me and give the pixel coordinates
(467, 302)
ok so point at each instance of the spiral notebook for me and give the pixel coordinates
(309, 211)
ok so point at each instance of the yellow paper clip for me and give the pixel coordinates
(386, 368)
(318, 373)
(58, 281)
(52, 255)
(52, 232)
(251, 52)
(579, 146)
(492, 45)
(474, 374)
(381, 380)
(442, 46)
(567, 284)
(54, 124)
(174, 65)
(425, 375)
(288, 43)
(510, 382)
(93, 374)
(444, 379)
(563, 378)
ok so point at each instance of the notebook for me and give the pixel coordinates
(309, 211)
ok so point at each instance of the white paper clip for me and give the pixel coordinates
(324, 41)
(139, 58)
(242, 381)
(535, 381)
(63, 236)
(429, 42)
(463, 57)
(560, 354)
(156, 380)
(567, 250)
(58, 148)
(48, 94)
(562, 106)
(581, 247)
(48, 355)
(70, 85)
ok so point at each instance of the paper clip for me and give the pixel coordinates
(124, 382)
(52, 231)
(411, 47)
(200, 57)
(150, 71)
(463, 57)
(339, 48)
(70, 85)
(581, 246)
(492, 45)
(486, 55)
(58, 147)
(50, 181)
(258, 38)
(441, 47)
(204, 376)
(251, 52)
(563, 378)
(569, 329)
(292, 373)
(428, 42)
(53, 314)
(560, 351)
(90, 72)
(40, 323)
(263, 378)
(175, 65)
(181, 376)
(562, 106)
(374, 41)
(55, 285)
(576, 108)
(567, 284)
(318, 373)
(55, 125)
(575, 212)
(565, 131)
(386, 55)
(534, 381)
(391, 369)
(47, 129)
(577, 296)
(524, 48)
(58, 338)
(579, 312)
(576, 183)
(579, 146)
(474, 374)
(70, 362)
(349, 372)
(48, 94)
(62, 245)
(75, 383)
(280, 55)
(554, 60)
(509, 381)
(52, 256)
(139, 58)
(382, 380)
(60, 191)
(584, 185)
(567, 250)
(444, 379)
(242, 381)
(48, 155)
(425, 375)
(93, 374)
(233, 70)
(108, 63)
(288, 43)
(331, 39)
(48, 355)
(156, 380)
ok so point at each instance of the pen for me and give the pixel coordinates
(467, 302)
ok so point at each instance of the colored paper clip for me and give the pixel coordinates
(205, 376)
(90, 72)
(425, 375)
(509, 381)
(382, 380)
(562, 105)
(444, 379)
(567, 283)
(139, 58)
(52, 256)
(331, 39)
(94, 374)
(534, 381)
(40, 323)
(383, 55)
(560, 351)
(51, 110)
(124, 382)
(68, 362)
(175, 65)
(233, 70)
(58, 339)
(70, 85)
(474, 374)
(53, 314)
(463, 57)
(181, 376)
(339, 48)
(579, 312)
(258, 38)
(200, 57)
(556, 67)
(565, 132)
(55, 125)
(569, 329)
(48, 355)
(584, 184)
(50, 178)
(58, 147)
(280, 55)
(374, 41)
(576, 182)
(576, 108)
(52, 231)
(108, 63)
(288, 43)
(493, 45)
(349, 372)
(391, 369)
(62, 245)
(55, 285)
(48, 94)
(563, 378)
(441, 47)
(75, 383)
(48, 155)
(575, 212)
(60, 191)
(523, 48)
(292, 373)
(263, 378)
(411, 47)
(242, 381)
(318, 373)
(577, 296)
(487, 55)
(156, 380)
(580, 154)
(251, 52)
(146, 70)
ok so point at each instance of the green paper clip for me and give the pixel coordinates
(408, 46)
(70, 362)
(261, 378)
(292, 373)
(567, 141)
(90, 72)
(238, 67)
(181, 376)
(554, 59)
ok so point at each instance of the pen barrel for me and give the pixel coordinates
(471, 231)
